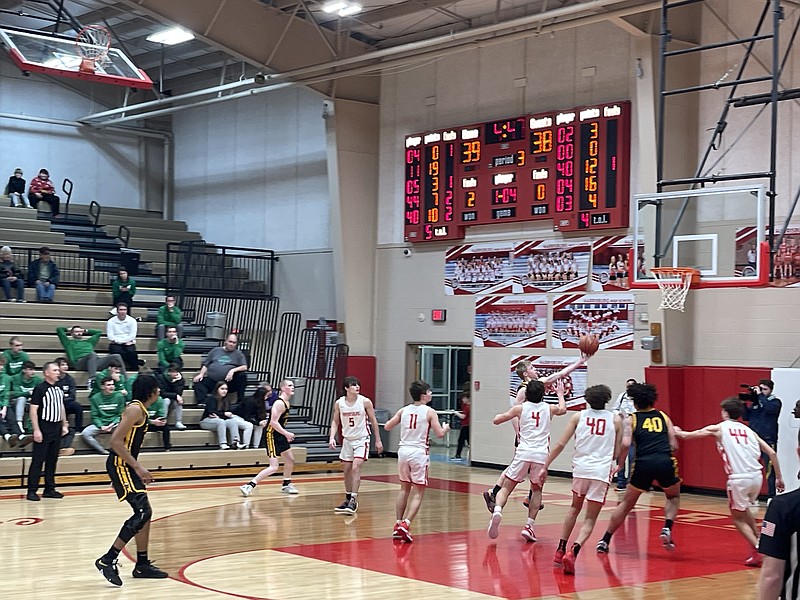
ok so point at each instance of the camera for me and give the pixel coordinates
(751, 395)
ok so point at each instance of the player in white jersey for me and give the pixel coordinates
(598, 437)
(740, 449)
(353, 413)
(415, 420)
(526, 371)
(531, 453)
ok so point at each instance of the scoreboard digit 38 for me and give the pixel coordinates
(569, 166)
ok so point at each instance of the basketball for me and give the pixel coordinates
(589, 344)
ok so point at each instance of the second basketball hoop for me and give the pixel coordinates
(93, 43)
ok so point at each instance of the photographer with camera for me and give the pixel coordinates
(761, 412)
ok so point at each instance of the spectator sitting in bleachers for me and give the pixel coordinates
(22, 385)
(218, 417)
(123, 289)
(15, 189)
(11, 276)
(170, 349)
(43, 275)
(172, 386)
(169, 314)
(67, 383)
(121, 332)
(42, 190)
(80, 351)
(120, 380)
(224, 363)
(253, 409)
(106, 408)
(9, 428)
(15, 356)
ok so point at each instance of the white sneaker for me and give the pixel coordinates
(180, 426)
(246, 489)
(494, 525)
(240, 446)
(224, 447)
(289, 489)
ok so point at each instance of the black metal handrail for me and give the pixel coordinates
(76, 268)
(94, 211)
(124, 235)
(66, 187)
(195, 268)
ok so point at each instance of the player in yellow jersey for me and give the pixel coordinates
(129, 479)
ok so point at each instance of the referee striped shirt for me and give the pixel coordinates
(50, 400)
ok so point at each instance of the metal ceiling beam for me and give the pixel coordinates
(400, 10)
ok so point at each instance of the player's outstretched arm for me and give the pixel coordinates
(512, 412)
(394, 421)
(335, 422)
(439, 429)
(707, 431)
(566, 370)
(368, 406)
(561, 407)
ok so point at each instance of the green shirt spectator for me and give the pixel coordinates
(120, 381)
(14, 356)
(106, 408)
(169, 315)
(78, 347)
(170, 351)
(23, 383)
(123, 288)
(158, 409)
(5, 389)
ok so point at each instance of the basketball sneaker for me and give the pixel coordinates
(558, 558)
(602, 547)
(351, 508)
(754, 560)
(488, 497)
(289, 489)
(109, 571)
(494, 525)
(528, 534)
(246, 489)
(342, 508)
(395, 532)
(404, 533)
(666, 539)
(568, 563)
(147, 570)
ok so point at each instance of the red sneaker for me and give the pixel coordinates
(569, 563)
(528, 534)
(558, 557)
(395, 533)
(405, 535)
(754, 560)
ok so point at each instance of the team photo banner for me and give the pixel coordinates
(517, 321)
(608, 316)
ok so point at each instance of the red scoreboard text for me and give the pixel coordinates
(570, 166)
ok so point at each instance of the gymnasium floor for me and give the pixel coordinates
(216, 544)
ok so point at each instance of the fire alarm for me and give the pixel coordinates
(438, 315)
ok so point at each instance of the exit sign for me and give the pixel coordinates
(438, 315)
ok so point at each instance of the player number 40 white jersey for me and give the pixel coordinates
(594, 445)
(354, 418)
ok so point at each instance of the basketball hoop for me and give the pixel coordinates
(675, 283)
(93, 43)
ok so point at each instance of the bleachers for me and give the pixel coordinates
(194, 450)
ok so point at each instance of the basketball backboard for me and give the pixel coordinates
(61, 56)
(719, 231)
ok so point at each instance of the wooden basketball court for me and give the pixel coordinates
(216, 544)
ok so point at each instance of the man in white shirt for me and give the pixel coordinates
(121, 332)
(740, 449)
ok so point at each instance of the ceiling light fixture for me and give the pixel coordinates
(344, 8)
(170, 37)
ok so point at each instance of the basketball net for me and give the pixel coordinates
(674, 283)
(93, 43)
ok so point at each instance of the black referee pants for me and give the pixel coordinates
(45, 453)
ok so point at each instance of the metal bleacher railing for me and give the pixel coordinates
(77, 270)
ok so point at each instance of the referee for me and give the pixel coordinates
(49, 420)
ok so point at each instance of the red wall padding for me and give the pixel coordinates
(363, 367)
(691, 397)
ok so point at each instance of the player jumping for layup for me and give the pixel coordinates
(130, 479)
(653, 436)
(351, 412)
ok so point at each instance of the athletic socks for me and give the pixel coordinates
(347, 496)
(562, 545)
(110, 556)
(354, 496)
(141, 558)
(530, 523)
(252, 484)
(607, 537)
(495, 489)
(286, 482)
(576, 548)
(668, 524)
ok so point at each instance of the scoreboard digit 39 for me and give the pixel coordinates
(569, 166)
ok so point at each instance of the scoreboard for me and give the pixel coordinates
(571, 167)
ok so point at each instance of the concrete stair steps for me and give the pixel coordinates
(49, 343)
(191, 361)
(23, 326)
(69, 296)
(11, 237)
(9, 212)
(83, 209)
(154, 231)
(32, 310)
(32, 224)
(54, 248)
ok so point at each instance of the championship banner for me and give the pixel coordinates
(552, 265)
(611, 268)
(511, 321)
(608, 316)
(480, 269)
(575, 382)
(786, 261)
